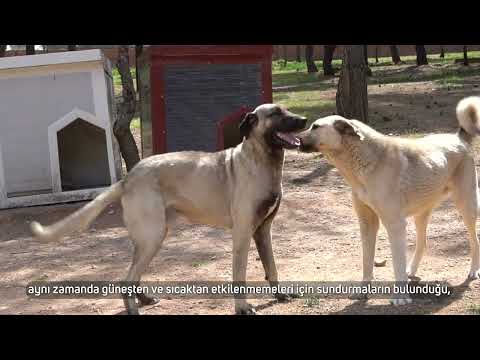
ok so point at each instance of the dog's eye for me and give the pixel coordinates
(315, 126)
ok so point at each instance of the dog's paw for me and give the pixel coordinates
(414, 278)
(145, 300)
(474, 275)
(401, 302)
(247, 309)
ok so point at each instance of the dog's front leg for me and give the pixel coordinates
(242, 236)
(263, 241)
(397, 234)
(369, 224)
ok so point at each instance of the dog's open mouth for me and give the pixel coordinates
(288, 140)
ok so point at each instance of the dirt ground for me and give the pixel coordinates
(315, 236)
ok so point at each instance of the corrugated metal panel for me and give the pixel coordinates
(198, 96)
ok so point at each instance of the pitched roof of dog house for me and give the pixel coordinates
(69, 57)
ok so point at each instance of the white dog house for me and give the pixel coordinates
(56, 137)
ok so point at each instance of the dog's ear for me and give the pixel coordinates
(345, 127)
(247, 124)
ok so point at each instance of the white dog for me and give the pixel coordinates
(395, 178)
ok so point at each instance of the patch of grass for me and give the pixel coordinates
(457, 80)
(450, 80)
(197, 264)
(135, 124)
(311, 301)
(318, 84)
(117, 81)
(474, 309)
(456, 76)
(306, 103)
(293, 78)
(458, 55)
(442, 77)
(279, 66)
(40, 278)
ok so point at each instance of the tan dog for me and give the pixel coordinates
(239, 189)
(395, 178)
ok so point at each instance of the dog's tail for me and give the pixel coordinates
(468, 115)
(80, 219)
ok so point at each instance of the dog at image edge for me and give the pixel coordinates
(395, 178)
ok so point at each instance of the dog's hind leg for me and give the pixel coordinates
(421, 223)
(396, 226)
(464, 195)
(369, 225)
(144, 216)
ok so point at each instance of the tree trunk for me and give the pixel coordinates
(72, 47)
(328, 51)
(465, 55)
(3, 50)
(285, 55)
(442, 51)
(352, 94)
(30, 49)
(126, 111)
(376, 54)
(421, 55)
(311, 67)
(395, 54)
(365, 55)
(299, 53)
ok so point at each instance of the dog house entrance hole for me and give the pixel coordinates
(83, 156)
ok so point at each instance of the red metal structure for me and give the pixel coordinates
(190, 93)
(229, 121)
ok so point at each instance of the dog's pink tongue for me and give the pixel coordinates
(291, 139)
